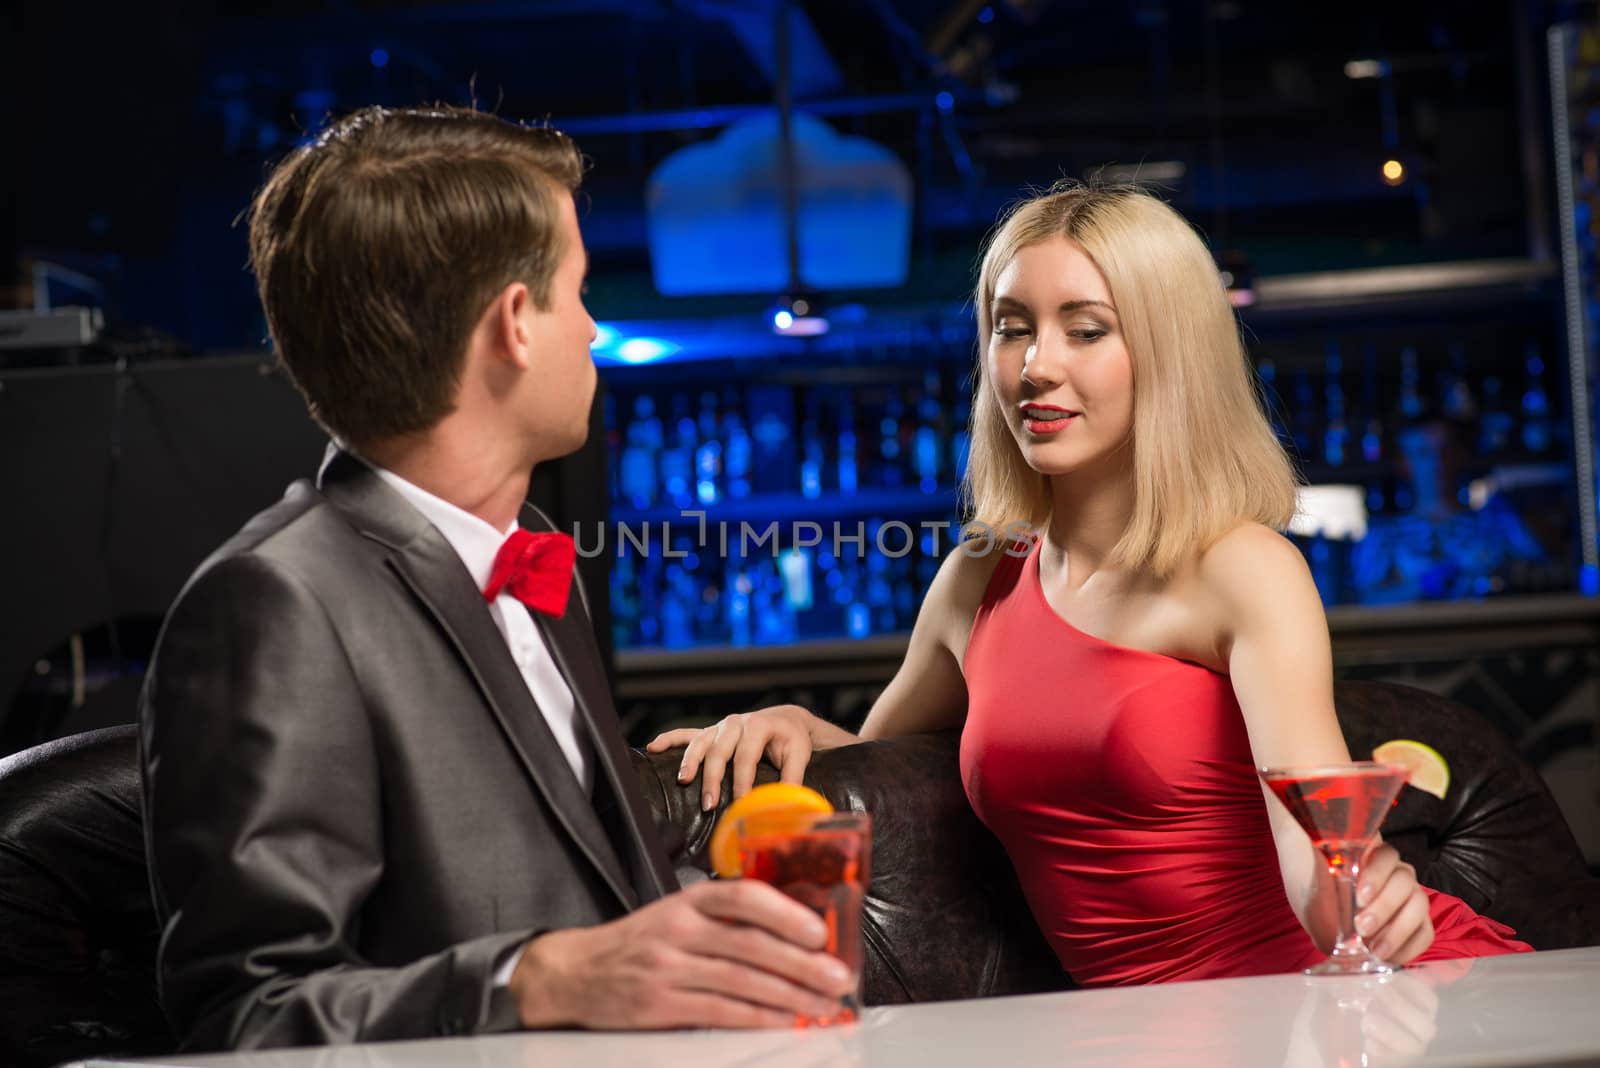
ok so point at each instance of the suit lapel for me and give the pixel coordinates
(573, 652)
(427, 564)
(570, 640)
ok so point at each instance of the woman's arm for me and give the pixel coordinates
(927, 693)
(1272, 634)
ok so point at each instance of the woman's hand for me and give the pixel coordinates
(1393, 908)
(785, 734)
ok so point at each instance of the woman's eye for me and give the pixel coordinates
(1011, 331)
(1087, 334)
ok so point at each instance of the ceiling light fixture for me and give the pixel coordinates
(800, 315)
(1366, 68)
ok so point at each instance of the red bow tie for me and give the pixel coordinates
(536, 569)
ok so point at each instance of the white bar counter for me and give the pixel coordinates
(1538, 1008)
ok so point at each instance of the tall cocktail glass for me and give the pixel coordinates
(823, 860)
(1341, 807)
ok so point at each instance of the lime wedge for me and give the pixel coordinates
(1429, 772)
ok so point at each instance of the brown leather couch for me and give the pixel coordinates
(944, 917)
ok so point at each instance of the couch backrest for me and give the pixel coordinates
(945, 918)
(78, 932)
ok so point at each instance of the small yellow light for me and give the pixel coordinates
(1394, 172)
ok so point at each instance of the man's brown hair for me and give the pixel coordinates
(377, 247)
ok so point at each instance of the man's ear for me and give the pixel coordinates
(509, 322)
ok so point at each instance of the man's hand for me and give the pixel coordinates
(718, 954)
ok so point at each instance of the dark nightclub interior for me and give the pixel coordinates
(783, 207)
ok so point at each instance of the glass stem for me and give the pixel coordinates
(1344, 876)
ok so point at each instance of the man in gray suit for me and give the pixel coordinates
(384, 799)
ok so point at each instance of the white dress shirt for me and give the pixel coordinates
(477, 542)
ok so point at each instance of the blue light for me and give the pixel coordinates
(1589, 580)
(644, 349)
(945, 101)
(986, 16)
(380, 58)
(860, 620)
(783, 320)
(604, 336)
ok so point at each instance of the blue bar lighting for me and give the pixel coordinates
(644, 350)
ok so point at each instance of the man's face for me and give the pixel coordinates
(562, 385)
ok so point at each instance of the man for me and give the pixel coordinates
(383, 798)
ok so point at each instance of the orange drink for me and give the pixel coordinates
(823, 860)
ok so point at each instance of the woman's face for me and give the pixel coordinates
(1057, 360)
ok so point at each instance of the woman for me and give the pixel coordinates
(1120, 677)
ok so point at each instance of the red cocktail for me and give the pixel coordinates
(820, 860)
(1341, 807)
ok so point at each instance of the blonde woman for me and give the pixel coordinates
(1120, 676)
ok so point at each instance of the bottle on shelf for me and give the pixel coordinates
(961, 436)
(677, 459)
(738, 604)
(849, 472)
(1304, 416)
(1267, 375)
(624, 602)
(638, 473)
(708, 453)
(1335, 434)
(890, 472)
(738, 450)
(1372, 425)
(1410, 383)
(771, 417)
(1497, 426)
(1456, 399)
(880, 593)
(677, 623)
(857, 612)
(608, 408)
(1535, 403)
(811, 461)
(927, 442)
(649, 600)
(775, 621)
(794, 564)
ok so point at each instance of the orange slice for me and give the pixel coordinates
(773, 798)
(1429, 772)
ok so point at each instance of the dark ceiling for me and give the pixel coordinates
(147, 125)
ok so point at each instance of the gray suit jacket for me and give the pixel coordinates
(354, 808)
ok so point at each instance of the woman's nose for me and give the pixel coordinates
(1042, 364)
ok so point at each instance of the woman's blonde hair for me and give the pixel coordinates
(1204, 456)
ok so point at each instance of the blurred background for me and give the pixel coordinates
(783, 212)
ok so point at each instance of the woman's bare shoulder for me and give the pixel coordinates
(1248, 559)
(1253, 576)
(958, 589)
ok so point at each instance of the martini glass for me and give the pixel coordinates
(1341, 807)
